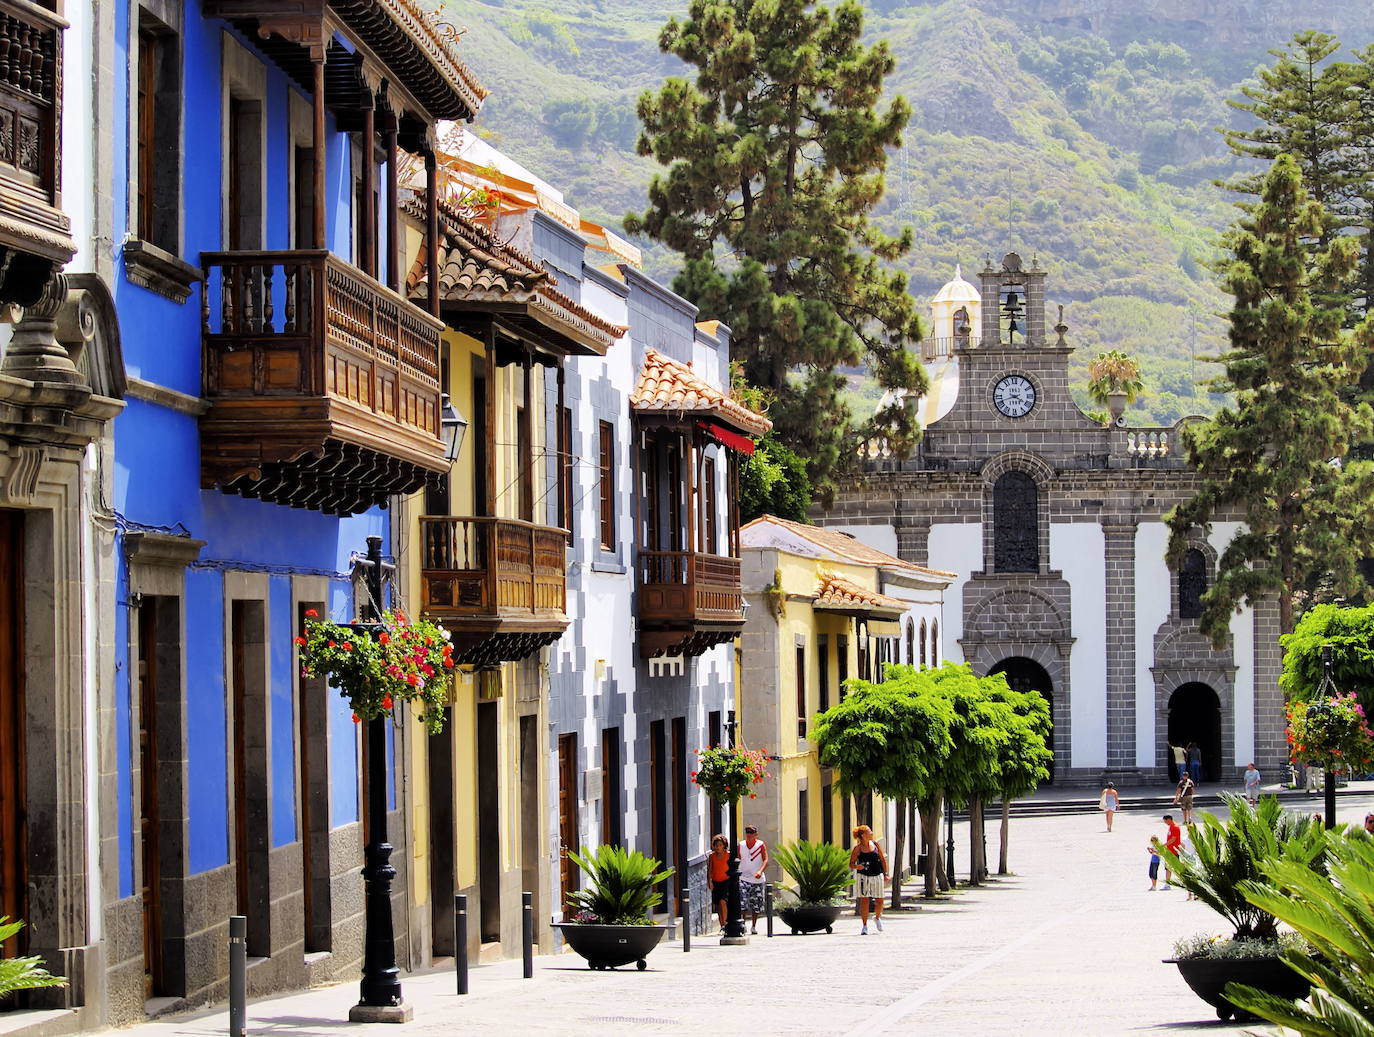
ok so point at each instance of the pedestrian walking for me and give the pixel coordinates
(869, 863)
(1183, 797)
(753, 860)
(1180, 761)
(1173, 846)
(1194, 762)
(1315, 777)
(1110, 802)
(1252, 783)
(1154, 866)
(720, 877)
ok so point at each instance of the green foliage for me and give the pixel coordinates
(1331, 731)
(1270, 456)
(892, 738)
(1113, 371)
(25, 973)
(776, 154)
(1334, 914)
(375, 668)
(1201, 945)
(1228, 854)
(1025, 757)
(819, 871)
(727, 774)
(621, 890)
(1350, 634)
(773, 481)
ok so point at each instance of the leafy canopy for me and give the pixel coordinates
(1349, 632)
(1113, 371)
(774, 481)
(1277, 458)
(776, 153)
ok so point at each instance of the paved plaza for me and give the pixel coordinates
(1070, 944)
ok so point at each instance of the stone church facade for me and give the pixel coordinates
(1054, 523)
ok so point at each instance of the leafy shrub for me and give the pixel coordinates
(22, 973)
(1334, 914)
(1202, 945)
(621, 890)
(1227, 855)
(819, 871)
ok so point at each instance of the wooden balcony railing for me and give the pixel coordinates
(500, 585)
(303, 348)
(681, 589)
(30, 71)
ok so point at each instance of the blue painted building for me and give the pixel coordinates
(280, 394)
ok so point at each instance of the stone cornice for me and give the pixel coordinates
(159, 271)
(161, 549)
(172, 399)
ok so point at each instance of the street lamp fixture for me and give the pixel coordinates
(452, 426)
(734, 913)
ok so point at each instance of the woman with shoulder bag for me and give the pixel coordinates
(870, 864)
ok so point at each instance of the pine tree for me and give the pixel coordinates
(1277, 458)
(776, 155)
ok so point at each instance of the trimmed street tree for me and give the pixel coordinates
(1349, 633)
(776, 153)
(891, 738)
(1277, 458)
(1026, 757)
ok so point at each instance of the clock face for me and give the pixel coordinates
(1014, 396)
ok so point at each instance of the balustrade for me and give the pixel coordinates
(687, 587)
(491, 568)
(30, 71)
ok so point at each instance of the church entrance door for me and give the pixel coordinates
(1028, 675)
(1195, 716)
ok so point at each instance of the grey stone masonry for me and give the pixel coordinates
(1121, 626)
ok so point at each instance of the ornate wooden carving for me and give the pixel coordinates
(693, 600)
(1015, 524)
(1192, 584)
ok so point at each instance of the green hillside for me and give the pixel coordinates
(1079, 132)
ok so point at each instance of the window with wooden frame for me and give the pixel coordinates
(606, 461)
(158, 125)
(569, 508)
(842, 659)
(822, 672)
(801, 688)
(708, 506)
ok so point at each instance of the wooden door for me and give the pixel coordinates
(489, 820)
(13, 836)
(567, 814)
(148, 809)
(238, 693)
(679, 812)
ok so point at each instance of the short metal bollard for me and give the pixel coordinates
(460, 940)
(768, 907)
(238, 976)
(686, 922)
(527, 924)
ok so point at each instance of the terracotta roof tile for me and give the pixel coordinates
(836, 592)
(849, 548)
(665, 385)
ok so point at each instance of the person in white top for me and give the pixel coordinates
(753, 861)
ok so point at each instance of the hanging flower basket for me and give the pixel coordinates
(377, 665)
(727, 775)
(1330, 730)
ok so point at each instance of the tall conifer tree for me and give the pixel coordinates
(776, 153)
(1277, 458)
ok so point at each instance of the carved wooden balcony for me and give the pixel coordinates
(323, 385)
(35, 235)
(688, 602)
(498, 585)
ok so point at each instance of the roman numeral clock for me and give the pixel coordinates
(1014, 396)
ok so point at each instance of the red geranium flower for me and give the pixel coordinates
(300, 640)
(357, 719)
(311, 613)
(383, 639)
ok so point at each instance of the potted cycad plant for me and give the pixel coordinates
(820, 876)
(22, 973)
(610, 922)
(1227, 858)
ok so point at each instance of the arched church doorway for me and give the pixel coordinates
(1195, 716)
(1028, 675)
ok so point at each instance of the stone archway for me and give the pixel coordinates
(1024, 674)
(1195, 716)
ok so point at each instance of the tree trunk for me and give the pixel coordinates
(896, 859)
(914, 843)
(1006, 826)
(930, 830)
(977, 864)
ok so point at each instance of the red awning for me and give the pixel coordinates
(725, 437)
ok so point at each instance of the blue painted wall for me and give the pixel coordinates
(157, 477)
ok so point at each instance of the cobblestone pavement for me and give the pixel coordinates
(1070, 944)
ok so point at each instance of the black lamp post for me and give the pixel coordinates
(734, 914)
(1325, 692)
(380, 999)
(949, 840)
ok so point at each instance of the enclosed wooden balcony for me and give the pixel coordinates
(323, 384)
(498, 585)
(35, 236)
(688, 602)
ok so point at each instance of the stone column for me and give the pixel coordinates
(913, 538)
(1271, 747)
(1119, 536)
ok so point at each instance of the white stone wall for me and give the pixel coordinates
(1077, 549)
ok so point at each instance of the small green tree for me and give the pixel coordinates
(1349, 633)
(1026, 755)
(773, 481)
(891, 738)
(1277, 458)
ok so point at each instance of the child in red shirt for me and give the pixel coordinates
(1173, 845)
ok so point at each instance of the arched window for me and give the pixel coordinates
(935, 642)
(923, 642)
(1192, 584)
(910, 642)
(1015, 524)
